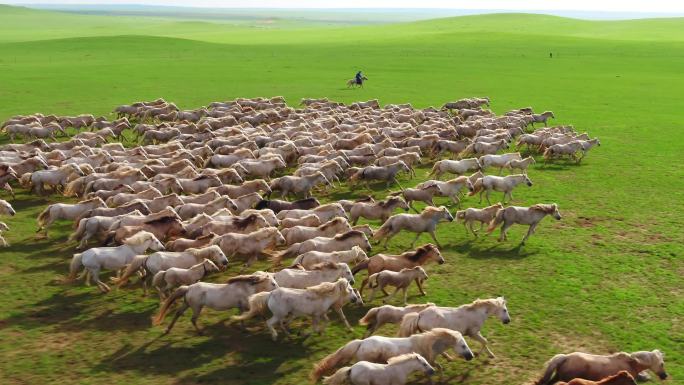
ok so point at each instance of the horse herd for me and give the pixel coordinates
(195, 188)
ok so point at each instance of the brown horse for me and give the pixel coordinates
(622, 378)
(417, 257)
(163, 228)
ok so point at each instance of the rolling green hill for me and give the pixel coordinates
(608, 277)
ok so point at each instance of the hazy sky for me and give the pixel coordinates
(660, 6)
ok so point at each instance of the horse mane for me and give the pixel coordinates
(366, 198)
(205, 236)
(324, 266)
(201, 177)
(431, 209)
(548, 208)
(262, 204)
(90, 200)
(402, 358)
(138, 238)
(419, 253)
(201, 252)
(387, 202)
(348, 234)
(331, 223)
(479, 303)
(162, 220)
(322, 289)
(242, 223)
(251, 279)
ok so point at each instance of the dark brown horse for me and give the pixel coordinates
(163, 228)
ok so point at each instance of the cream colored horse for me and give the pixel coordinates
(400, 280)
(297, 185)
(323, 212)
(65, 211)
(314, 301)
(312, 258)
(175, 276)
(458, 167)
(484, 215)
(385, 314)
(310, 220)
(111, 258)
(504, 184)
(467, 319)
(565, 367)
(395, 372)
(6, 208)
(251, 245)
(376, 210)
(324, 272)
(339, 242)
(451, 188)
(379, 349)
(235, 293)
(522, 215)
(425, 222)
(329, 229)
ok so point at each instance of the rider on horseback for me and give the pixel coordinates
(359, 78)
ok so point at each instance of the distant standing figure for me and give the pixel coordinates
(550, 55)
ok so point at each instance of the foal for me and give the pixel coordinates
(399, 279)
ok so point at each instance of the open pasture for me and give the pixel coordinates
(605, 278)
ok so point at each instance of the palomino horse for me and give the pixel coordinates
(314, 301)
(467, 319)
(164, 228)
(566, 367)
(235, 293)
(386, 314)
(379, 262)
(484, 215)
(379, 349)
(323, 272)
(523, 215)
(329, 229)
(425, 222)
(400, 280)
(251, 245)
(395, 372)
(112, 258)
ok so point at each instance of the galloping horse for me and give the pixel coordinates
(351, 83)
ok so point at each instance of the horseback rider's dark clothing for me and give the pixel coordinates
(359, 77)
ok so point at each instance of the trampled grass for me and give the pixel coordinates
(608, 277)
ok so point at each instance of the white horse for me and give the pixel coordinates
(378, 316)
(395, 372)
(314, 301)
(523, 215)
(467, 319)
(354, 255)
(425, 222)
(6, 208)
(66, 211)
(324, 272)
(111, 258)
(235, 293)
(91, 226)
(504, 184)
(379, 349)
(329, 229)
(339, 242)
(176, 276)
(458, 167)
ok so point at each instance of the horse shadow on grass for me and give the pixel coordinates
(476, 249)
(243, 352)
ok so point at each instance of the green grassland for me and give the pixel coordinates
(608, 277)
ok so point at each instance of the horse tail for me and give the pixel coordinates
(548, 153)
(435, 167)
(342, 355)
(361, 266)
(158, 279)
(372, 278)
(340, 377)
(80, 230)
(383, 230)
(551, 371)
(498, 218)
(371, 317)
(180, 292)
(134, 266)
(409, 325)
(287, 253)
(477, 187)
(258, 303)
(44, 216)
(75, 266)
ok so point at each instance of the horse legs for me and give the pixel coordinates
(479, 338)
(363, 284)
(391, 235)
(489, 192)
(504, 229)
(95, 274)
(434, 238)
(179, 313)
(195, 315)
(372, 295)
(339, 312)
(412, 243)
(271, 327)
(419, 283)
(530, 231)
